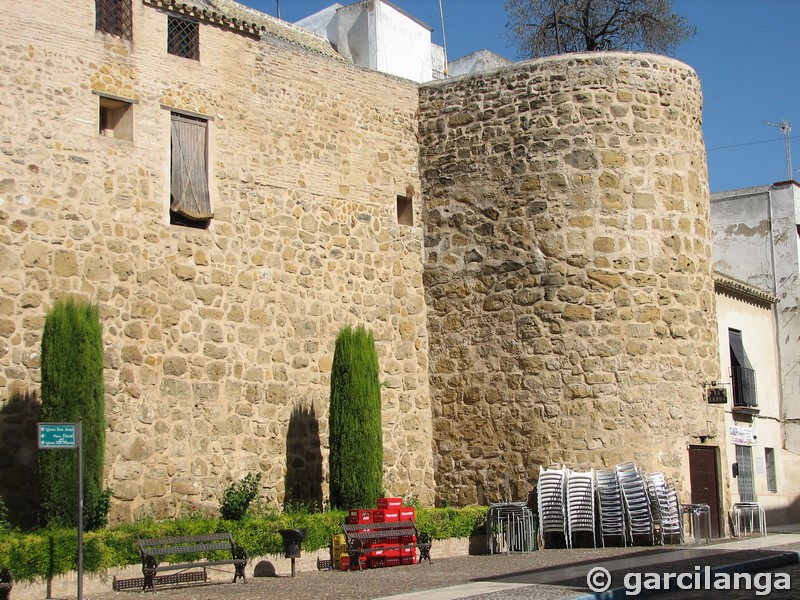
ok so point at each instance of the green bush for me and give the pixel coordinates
(73, 390)
(36, 555)
(238, 497)
(355, 429)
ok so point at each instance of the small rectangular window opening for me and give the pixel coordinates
(183, 37)
(405, 210)
(769, 460)
(114, 17)
(116, 119)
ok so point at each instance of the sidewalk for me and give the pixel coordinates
(544, 574)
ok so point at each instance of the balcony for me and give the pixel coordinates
(743, 381)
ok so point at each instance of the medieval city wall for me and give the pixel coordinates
(568, 270)
(218, 342)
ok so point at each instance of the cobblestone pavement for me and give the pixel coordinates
(478, 574)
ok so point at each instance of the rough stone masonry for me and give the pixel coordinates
(552, 301)
(568, 270)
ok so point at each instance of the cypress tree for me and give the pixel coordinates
(355, 429)
(73, 389)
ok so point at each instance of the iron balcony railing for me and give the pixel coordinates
(744, 387)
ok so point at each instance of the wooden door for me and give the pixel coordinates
(704, 478)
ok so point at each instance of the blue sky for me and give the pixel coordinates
(745, 52)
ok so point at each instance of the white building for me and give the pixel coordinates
(381, 36)
(755, 244)
(761, 469)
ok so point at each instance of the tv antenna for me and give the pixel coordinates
(786, 129)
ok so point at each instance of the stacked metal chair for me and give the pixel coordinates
(638, 513)
(611, 512)
(580, 505)
(664, 507)
(550, 497)
(510, 527)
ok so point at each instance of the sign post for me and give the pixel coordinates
(68, 436)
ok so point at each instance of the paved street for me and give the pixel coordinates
(545, 574)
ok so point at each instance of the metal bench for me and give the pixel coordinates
(362, 537)
(154, 550)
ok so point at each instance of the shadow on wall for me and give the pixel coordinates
(303, 461)
(790, 514)
(19, 477)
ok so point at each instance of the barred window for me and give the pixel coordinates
(183, 38)
(114, 17)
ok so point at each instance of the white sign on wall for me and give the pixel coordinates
(743, 436)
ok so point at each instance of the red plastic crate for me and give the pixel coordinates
(408, 539)
(382, 561)
(407, 514)
(380, 551)
(345, 563)
(390, 502)
(386, 515)
(408, 560)
(406, 552)
(361, 516)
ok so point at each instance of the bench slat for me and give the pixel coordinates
(186, 549)
(188, 539)
(194, 565)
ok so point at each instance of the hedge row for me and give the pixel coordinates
(53, 552)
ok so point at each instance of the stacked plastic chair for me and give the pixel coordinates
(611, 512)
(580, 505)
(638, 513)
(664, 507)
(550, 497)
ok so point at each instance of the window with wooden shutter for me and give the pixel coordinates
(190, 200)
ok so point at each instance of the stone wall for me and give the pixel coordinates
(568, 270)
(218, 342)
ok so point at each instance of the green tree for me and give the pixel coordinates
(546, 27)
(73, 389)
(355, 429)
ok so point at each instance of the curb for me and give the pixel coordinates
(746, 566)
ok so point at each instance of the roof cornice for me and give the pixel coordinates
(740, 287)
(208, 16)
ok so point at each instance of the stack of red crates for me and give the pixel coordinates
(390, 510)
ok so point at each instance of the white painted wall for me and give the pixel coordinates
(755, 240)
(403, 45)
(757, 323)
(378, 35)
(482, 60)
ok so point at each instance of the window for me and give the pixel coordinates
(769, 459)
(115, 118)
(183, 37)
(744, 459)
(114, 17)
(743, 377)
(190, 203)
(405, 210)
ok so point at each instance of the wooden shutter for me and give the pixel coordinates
(190, 196)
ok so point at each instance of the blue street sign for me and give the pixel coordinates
(57, 435)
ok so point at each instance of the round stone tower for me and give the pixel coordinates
(568, 270)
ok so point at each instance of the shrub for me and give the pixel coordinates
(238, 497)
(73, 390)
(53, 551)
(355, 428)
